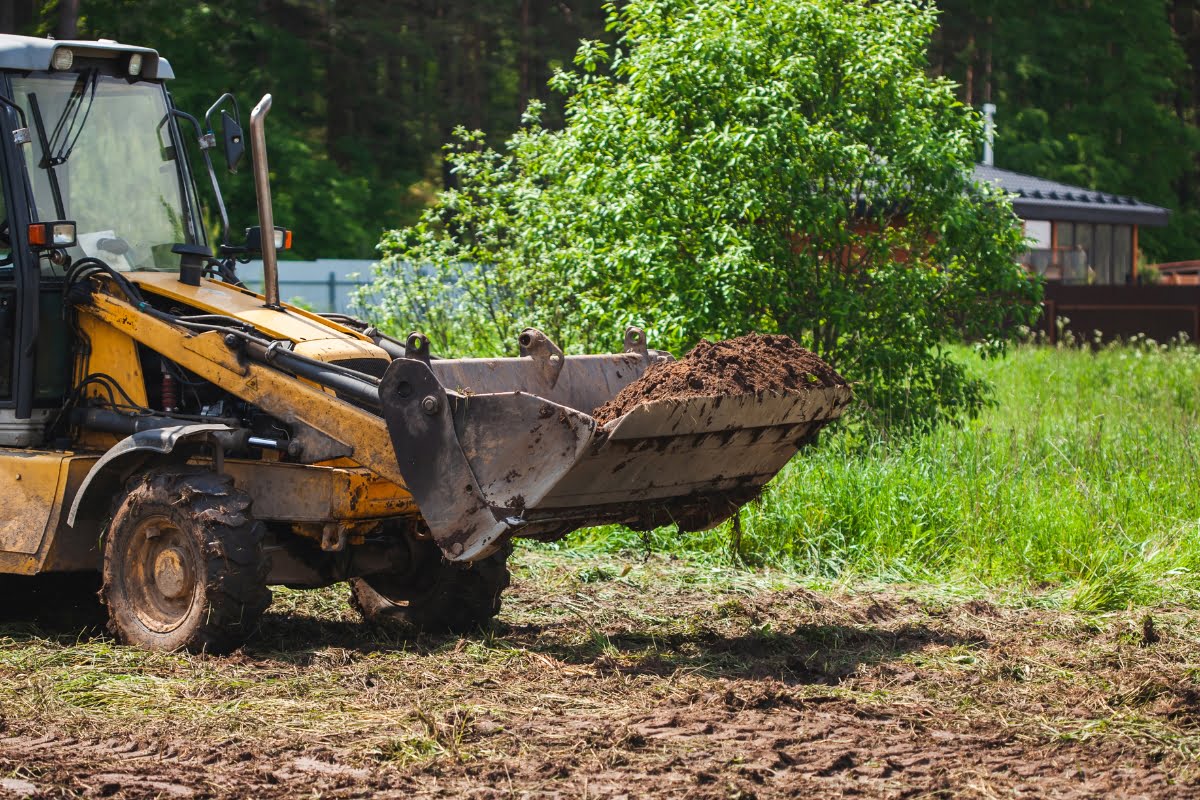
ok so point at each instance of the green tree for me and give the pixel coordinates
(778, 165)
(365, 91)
(1091, 92)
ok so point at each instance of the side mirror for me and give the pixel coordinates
(232, 141)
(283, 239)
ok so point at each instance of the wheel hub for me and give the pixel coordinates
(160, 579)
(171, 574)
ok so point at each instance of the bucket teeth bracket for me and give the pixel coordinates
(546, 354)
(420, 421)
(635, 342)
(416, 346)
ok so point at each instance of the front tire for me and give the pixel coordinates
(438, 596)
(183, 564)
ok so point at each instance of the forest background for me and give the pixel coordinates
(1099, 93)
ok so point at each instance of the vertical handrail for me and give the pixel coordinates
(262, 189)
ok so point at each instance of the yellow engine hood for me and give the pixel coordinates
(313, 335)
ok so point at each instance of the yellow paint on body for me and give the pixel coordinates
(30, 482)
(114, 354)
(277, 393)
(315, 336)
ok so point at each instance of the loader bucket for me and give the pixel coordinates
(492, 448)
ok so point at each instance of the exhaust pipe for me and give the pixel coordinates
(262, 190)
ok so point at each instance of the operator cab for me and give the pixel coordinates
(88, 135)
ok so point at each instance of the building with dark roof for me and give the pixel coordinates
(1078, 236)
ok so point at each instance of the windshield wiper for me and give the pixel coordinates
(74, 116)
(57, 148)
(55, 190)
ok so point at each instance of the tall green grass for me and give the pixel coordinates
(1083, 478)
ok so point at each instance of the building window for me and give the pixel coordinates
(1037, 233)
(1122, 253)
(1080, 252)
(1040, 240)
(1102, 251)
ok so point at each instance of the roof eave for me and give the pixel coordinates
(1056, 210)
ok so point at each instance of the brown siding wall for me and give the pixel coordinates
(1160, 312)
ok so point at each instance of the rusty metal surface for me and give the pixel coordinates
(301, 493)
(520, 446)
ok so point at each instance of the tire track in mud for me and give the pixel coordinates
(752, 740)
(840, 749)
(52, 765)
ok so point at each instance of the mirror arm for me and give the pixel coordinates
(237, 114)
(206, 144)
(21, 115)
(232, 138)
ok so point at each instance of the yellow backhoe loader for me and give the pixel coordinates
(193, 442)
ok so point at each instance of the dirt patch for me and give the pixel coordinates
(746, 365)
(660, 680)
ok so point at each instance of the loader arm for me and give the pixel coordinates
(325, 426)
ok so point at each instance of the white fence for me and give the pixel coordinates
(323, 285)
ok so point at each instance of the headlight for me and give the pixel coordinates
(63, 58)
(135, 64)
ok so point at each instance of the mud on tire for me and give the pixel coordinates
(183, 564)
(441, 597)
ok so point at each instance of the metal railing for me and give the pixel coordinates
(329, 297)
(1066, 264)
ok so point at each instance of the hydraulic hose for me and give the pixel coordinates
(364, 389)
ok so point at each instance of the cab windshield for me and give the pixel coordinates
(103, 154)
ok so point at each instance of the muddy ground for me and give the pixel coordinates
(622, 677)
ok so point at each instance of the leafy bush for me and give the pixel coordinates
(780, 165)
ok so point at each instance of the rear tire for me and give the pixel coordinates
(183, 564)
(441, 597)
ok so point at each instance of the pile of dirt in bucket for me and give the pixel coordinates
(746, 365)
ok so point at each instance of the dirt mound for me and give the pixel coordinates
(745, 365)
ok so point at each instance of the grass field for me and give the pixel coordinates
(1083, 477)
(1004, 610)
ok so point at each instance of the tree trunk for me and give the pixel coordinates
(524, 57)
(68, 19)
